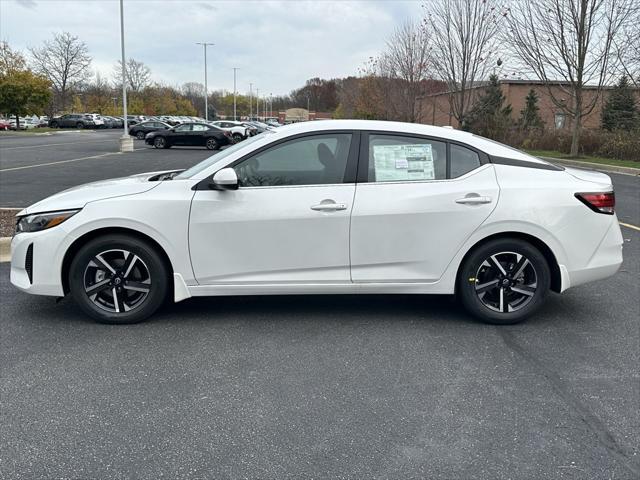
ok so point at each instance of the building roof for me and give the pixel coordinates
(507, 81)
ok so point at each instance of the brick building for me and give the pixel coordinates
(435, 109)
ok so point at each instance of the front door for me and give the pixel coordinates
(180, 134)
(415, 209)
(288, 222)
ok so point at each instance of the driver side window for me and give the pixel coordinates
(312, 160)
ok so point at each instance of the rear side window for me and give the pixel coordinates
(463, 160)
(395, 158)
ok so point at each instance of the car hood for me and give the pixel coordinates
(78, 197)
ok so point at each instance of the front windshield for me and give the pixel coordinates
(220, 156)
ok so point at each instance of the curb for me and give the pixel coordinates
(5, 249)
(594, 166)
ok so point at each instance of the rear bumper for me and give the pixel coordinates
(605, 261)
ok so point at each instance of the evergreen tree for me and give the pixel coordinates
(530, 114)
(488, 117)
(620, 111)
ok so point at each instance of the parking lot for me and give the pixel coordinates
(334, 386)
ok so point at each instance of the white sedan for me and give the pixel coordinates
(330, 207)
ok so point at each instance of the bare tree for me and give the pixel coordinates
(10, 60)
(569, 44)
(464, 39)
(138, 75)
(405, 60)
(65, 62)
(628, 49)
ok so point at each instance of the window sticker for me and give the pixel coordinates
(403, 162)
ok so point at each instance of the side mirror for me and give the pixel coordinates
(225, 179)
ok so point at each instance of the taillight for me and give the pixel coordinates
(601, 202)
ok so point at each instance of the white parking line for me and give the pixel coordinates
(56, 163)
(54, 144)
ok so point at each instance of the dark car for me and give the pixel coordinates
(72, 120)
(190, 134)
(140, 130)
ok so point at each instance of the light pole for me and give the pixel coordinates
(126, 142)
(271, 105)
(206, 90)
(234, 93)
(250, 101)
(258, 103)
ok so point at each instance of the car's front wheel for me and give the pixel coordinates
(237, 137)
(79, 125)
(504, 281)
(140, 135)
(118, 279)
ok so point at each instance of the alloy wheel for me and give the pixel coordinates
(506, 282)
(117, 281)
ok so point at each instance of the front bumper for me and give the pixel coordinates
(47, 249)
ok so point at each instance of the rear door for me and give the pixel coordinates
(417, 201)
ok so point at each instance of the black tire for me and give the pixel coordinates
(212, 144)
(83, 272)
(237, 137)
(503, 261)
(79, 125)
(160, 142)
(140, 135)
(54, 124)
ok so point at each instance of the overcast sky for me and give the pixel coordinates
(277, 45)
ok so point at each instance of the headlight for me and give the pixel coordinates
(42, 221)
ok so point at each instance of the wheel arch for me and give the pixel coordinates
(87, 237)
(552, 261)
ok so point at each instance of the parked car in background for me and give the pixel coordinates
(252, 130)
(25, 123)
(97, 120)
(190, 134)
(72, 120)
(4, 124)
(141, 129)
(134, 119)
(238, 131)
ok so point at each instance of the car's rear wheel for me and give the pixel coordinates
(504, 281)
(160, 142)
(118, 279)
(79, 125)
(212, 144)
(140, 135)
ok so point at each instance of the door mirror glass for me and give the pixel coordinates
(225, 179)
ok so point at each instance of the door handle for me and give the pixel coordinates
(473, 200)
(329, 207)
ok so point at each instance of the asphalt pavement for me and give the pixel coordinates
(33, 168)
(320, 387)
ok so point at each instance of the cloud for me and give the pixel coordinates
(276, 44)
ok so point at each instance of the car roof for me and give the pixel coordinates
(447, 133)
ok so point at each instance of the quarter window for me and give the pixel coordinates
(463, 160)
(394, 158)
(183, 128)
(199, 128)
(313, 160)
